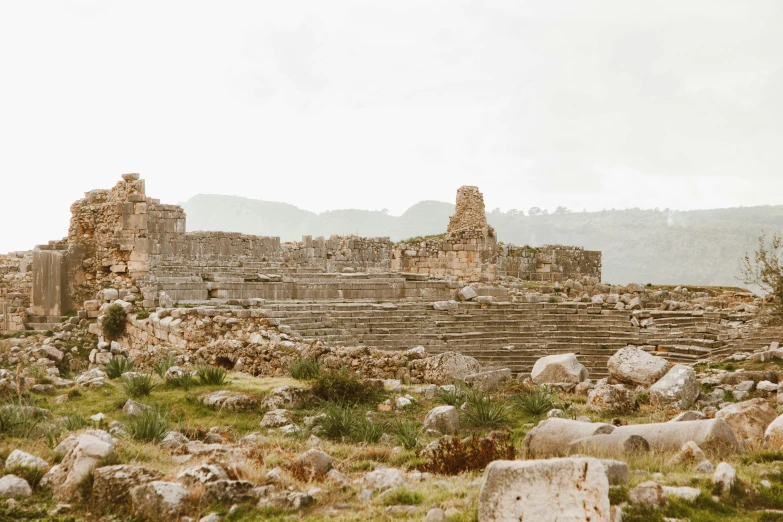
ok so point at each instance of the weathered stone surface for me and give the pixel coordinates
(228, 492)
(773, 435)
(712, 435)
(678, 388)
(466, 294)
(488, 380)
(444, 419)
(315, 461)
(383, 478)
(618, 445)
(275, 418)
(445, 368)
(21, 459)
(12, 486)
(725, 476)
(610, 398)
(563, 368)
(445, 306)
(86, 452)
(202, 474)
(633, 365)
(575, 489)
(158, 500)
(552, 437)
(112, 484)
(649, 494)
(229, 400)
(748, 420)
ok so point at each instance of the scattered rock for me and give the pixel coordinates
(443, 419)
(14, 487)
(112, 484)
(725, 476)
(158, 500)
(649, 494)
(610, 398)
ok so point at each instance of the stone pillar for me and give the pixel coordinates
(470, 213)
(50, 283)
(5, 322)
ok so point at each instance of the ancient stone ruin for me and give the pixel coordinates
(462, 292)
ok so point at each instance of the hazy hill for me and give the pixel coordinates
(700, 247)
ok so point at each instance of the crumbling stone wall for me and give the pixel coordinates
(469, 255)
(548, 263)
(15, 289)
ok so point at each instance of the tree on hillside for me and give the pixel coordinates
(764, 268)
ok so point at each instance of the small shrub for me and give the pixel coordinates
(407, 433)
(75, 421)
(344, 387)
(212, 375)
(32, 475)
(163, 365)
(340, 422)
(485, 412)
(453, 456)
(142, 314)
(643, 398)
(367, 430)
(49, 333)
(20, 418)
(764, 456)
(535, 402)
(117, 366)
(304, 369)
(184, 381)
(114, 322)
(451, 395)
(148, 425)
(403, 497)
(139, 385)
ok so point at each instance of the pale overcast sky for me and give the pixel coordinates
(380, 104)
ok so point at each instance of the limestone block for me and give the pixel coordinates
(678, 388)
(749, 420)
(632, 365)
(575, 489)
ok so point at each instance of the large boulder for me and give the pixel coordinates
(773, 435)
(158, 500)
(444, 419)
(713, 436)
(749, 420)
(610, 398)
(444, 368)
(552, 437)
(679, 388)
(14, 487)
(84, 452)
(561, 368)
(574, 490)
(111, 484)
(633, 365)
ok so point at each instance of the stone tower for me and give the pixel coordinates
(470, 213)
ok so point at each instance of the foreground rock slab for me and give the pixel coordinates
(678, 388)
(573, 490)
(749, 420)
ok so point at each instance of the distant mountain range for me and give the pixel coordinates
(699, 247)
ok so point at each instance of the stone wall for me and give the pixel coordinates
(122, 239)
(470, 255)
(15, 289)
(548, 263)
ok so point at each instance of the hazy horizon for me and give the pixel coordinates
(344, 104)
